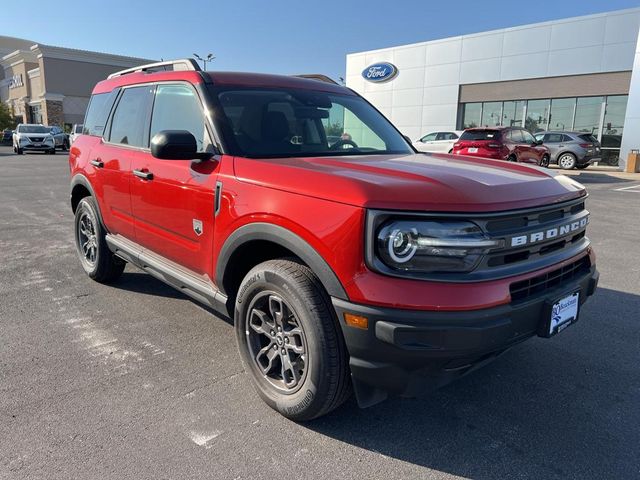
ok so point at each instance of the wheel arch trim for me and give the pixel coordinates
(79, 179)
(285, 238)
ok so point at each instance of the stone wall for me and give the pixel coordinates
(53, 113)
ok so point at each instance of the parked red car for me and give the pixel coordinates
(345, 262)
(504, 143)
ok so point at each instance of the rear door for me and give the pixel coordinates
(173, 200)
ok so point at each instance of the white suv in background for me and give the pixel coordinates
(75, 131)
(441, 141)
(31, 136)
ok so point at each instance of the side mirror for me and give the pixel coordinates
(176, 145)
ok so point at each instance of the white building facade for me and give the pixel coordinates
(580, 74)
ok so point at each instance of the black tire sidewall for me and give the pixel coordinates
(87, 205)
(299, 404)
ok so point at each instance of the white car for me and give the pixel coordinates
(76, 131)
(31, 136)
(441, 141)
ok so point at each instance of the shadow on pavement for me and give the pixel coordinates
(566, 407)
(590, 178)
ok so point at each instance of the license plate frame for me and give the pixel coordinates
(560, 313)
(472, 150)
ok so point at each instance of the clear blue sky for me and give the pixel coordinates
(276, 36)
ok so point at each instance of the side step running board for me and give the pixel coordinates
(167, 271)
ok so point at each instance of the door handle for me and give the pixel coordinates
(96, 162)
(143, 175)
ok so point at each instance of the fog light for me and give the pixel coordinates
(357, 321)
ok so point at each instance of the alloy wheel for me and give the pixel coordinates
(87, 238)
(277, 342)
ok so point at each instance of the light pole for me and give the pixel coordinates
(205, 60)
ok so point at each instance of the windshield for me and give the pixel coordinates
(32, 129)
(270, 122)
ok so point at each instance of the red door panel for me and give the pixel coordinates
(174, 209)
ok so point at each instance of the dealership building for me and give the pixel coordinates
(52, 85)
(580, 74)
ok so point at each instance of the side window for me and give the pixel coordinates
(129, 122)
(553, 137)
(451, 136)
(567, 138)
(541, 137)
(177, 107)
(429, 138)
(97, 113)
(527, 137)
(516, 136)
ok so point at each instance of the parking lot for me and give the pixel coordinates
(135, 380)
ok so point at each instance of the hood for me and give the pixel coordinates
(420, 182)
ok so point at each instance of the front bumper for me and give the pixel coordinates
(409, 352)
(42, 147)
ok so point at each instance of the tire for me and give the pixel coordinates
(52, 151)
(567, 161)
(97, 260)
(582, 167)
(512, 158)
(65, 146)
(19, 151)
(544, 162)
(310, 341)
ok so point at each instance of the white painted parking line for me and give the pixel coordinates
(631, 188)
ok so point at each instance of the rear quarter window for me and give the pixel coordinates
(98, 112)
(480, 135)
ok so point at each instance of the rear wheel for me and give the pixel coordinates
(567, 161)
(94, 254)
(290, 341)
(19, 151)
(512, 158)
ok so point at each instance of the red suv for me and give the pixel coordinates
(356, 263)
(504, 143)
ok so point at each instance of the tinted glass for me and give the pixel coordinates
(527, 137)
(429, 138)
(537, 115)
(516, 136)
(471, 116)
(553, 137)
(32, 129)
(480, 135)
(269, 122)
(561, 117)
(588, 138)
(129, 119)
(176, 107)
(614, 121)
(491, 114)
(97, 113)
(512, 113)
(588, 111)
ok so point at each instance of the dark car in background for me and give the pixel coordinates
(61, 138)
(7, 136)
(503, 143)
(571, 149)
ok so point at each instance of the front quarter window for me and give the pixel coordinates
(282, 122)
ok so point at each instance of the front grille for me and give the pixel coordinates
(533, 286)
(37, 139)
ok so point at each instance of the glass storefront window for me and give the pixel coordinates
(512, 113)
(614, 121)
(561, 117)
(491, 114)
(471, 116)
(588, 111)
(537, 115)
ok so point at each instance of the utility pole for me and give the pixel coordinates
(205, 60)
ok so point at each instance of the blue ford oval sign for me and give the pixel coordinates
(380, 72)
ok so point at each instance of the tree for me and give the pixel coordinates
(6, 119)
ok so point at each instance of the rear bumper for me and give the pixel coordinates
(409, 352)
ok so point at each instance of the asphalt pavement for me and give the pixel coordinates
(136, 381)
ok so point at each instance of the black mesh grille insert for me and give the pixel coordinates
(536, 285)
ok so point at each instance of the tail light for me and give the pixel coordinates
(586, 145)
(457, 145)
(494, 145)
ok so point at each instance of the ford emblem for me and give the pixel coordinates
(380, 72)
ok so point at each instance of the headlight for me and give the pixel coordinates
(49, 140)
(430, 246)
(24, 140)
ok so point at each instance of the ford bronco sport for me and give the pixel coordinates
(353, 264)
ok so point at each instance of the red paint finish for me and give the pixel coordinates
(322, 200)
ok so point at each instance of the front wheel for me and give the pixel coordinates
(95, 257)
(512, 158)
(545, 161)
(19, 151)
(290, 341)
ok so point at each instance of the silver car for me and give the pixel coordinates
(61, 138)
(570, 149)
